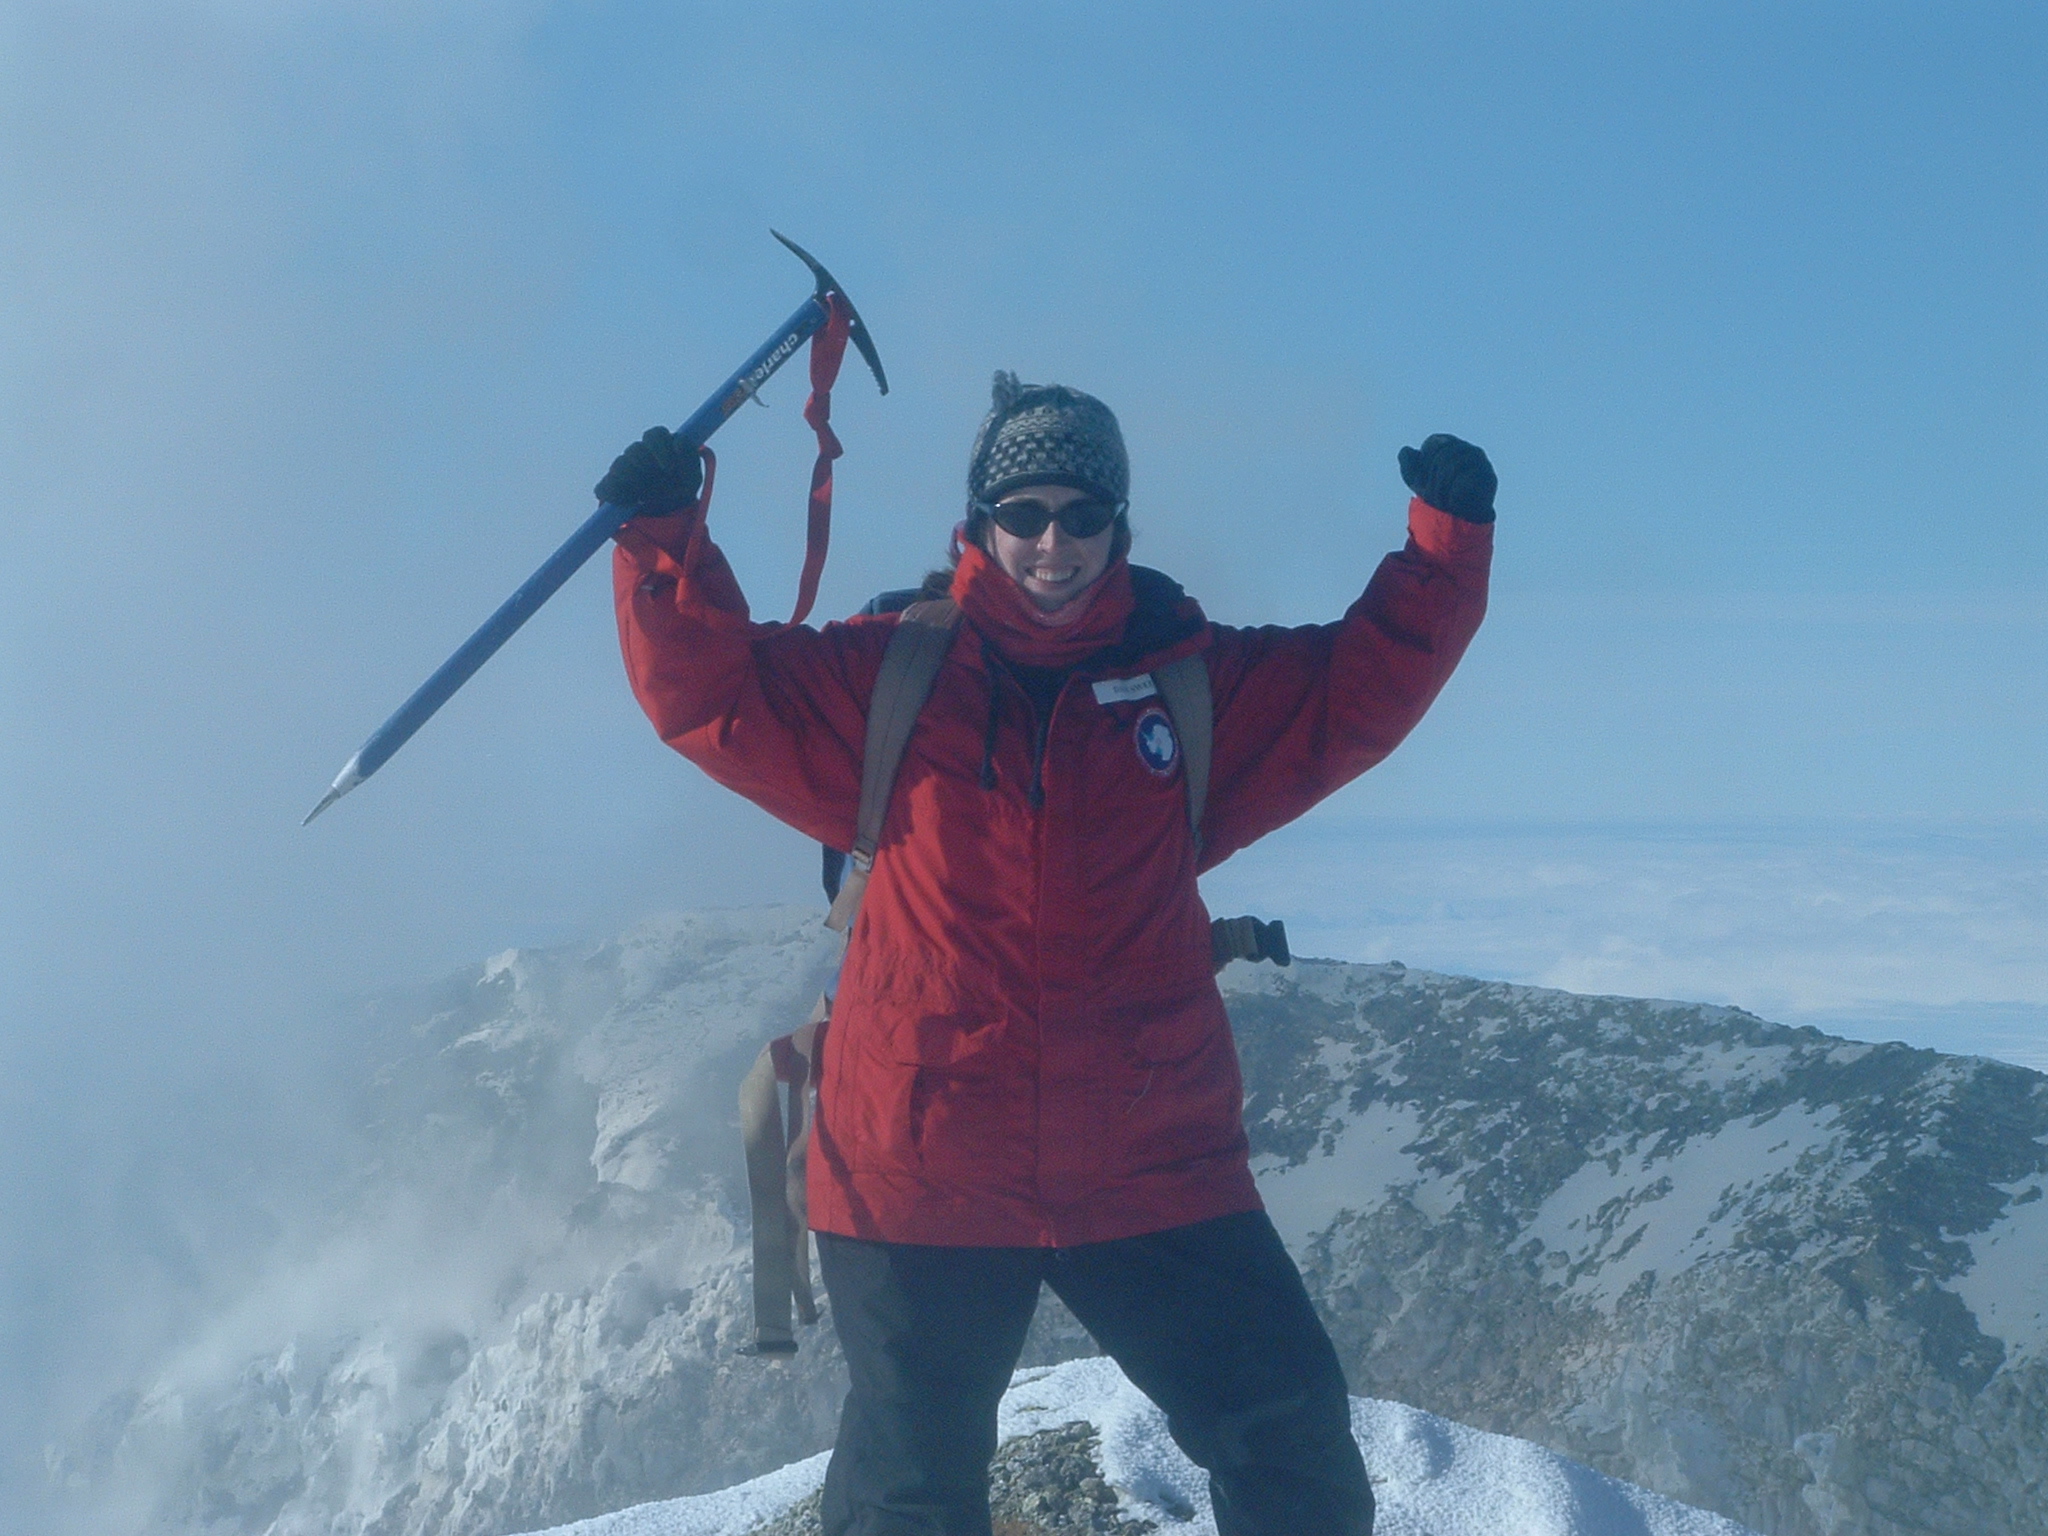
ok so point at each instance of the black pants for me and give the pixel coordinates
(1210, 1321)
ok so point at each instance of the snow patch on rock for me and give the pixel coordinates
(2006, 1285)
(1365, 1162)
(1621, 1217)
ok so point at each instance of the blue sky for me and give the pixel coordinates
(326, 317)
(321, 320)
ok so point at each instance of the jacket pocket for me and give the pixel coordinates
(941, 1091)
(1155, 1020)
(1176, 1092)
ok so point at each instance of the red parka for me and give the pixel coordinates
(1027, 1046)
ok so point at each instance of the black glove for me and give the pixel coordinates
(1452, 475)
(655, 476)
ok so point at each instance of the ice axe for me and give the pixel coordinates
(814, 315)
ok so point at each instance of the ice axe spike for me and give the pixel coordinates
(746, 381)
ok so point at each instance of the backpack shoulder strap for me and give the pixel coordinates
(910, 665)
(1184, 686)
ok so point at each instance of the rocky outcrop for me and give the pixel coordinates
(1047, 1484)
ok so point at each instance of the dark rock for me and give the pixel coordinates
(1047, 1484)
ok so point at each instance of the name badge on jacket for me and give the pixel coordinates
(1121, 690)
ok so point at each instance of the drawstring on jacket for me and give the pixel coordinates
(995, 716)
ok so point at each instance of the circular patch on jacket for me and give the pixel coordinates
(1158, 747)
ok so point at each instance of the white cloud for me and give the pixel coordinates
(1935, 934)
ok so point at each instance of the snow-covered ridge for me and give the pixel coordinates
(1430, 1477)
(1758, 1269)
(1622, 1141)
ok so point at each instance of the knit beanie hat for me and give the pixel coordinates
(1047, 434)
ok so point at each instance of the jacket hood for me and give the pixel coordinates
(1165, 625)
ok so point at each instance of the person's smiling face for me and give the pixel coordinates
(1054, 568)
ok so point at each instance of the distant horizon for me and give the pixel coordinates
(1860, 924)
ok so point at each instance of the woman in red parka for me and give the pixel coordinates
(1029, 1076)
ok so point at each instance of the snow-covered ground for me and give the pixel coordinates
(1431, 1477)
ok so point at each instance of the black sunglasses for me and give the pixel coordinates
(1026, 517)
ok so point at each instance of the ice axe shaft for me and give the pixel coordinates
(745, 382)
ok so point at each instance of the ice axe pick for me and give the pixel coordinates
(745, 382)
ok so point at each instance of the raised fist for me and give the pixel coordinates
(1452, 475)
(656, 476)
